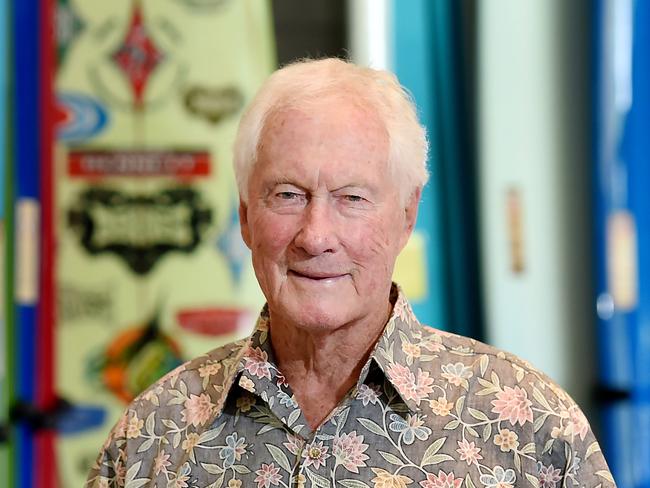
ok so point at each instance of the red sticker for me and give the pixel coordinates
(211, 321)
(105, 163)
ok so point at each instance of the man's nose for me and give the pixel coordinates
(318, 232)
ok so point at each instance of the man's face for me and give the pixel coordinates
(324, 220)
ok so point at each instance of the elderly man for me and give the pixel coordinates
(339, 385)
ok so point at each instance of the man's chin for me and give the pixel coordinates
(320, 313)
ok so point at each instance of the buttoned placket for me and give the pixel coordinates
(313, 442)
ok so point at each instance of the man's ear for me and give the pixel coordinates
(410, 215)
(243, 223)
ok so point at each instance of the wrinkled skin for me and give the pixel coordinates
(323, 218)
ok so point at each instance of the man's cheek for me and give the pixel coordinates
(375, 245)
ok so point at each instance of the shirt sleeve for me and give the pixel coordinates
(109, 469)
(585, 463)
(571, 455)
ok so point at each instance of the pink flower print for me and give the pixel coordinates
(577, 424)
(268, 475)
(456, 374)
(294, 444)
(348, 449)
(403, 379)
(548, 476)
(442, 480)
(257, 363)
(161, 463)
(423, 386)
(513, 404)
(198, 409)
(468, 452)
(368, 394)
(315, 455)
(407, 386)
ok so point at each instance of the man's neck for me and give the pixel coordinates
(322, 367)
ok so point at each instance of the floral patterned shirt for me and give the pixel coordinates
(430, 409)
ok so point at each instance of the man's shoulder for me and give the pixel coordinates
(492, 381)
(182, 405)
(208, 374)
(483, 368)
(188, 398)
(491, 402)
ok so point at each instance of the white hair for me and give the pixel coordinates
(309, 82)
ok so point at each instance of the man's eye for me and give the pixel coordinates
(353, 198)
(287, 195)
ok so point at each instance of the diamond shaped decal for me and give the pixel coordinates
(137, 56)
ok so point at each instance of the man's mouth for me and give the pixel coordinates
(316, 275)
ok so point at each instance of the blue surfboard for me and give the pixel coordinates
(621, 179)
(26, 184)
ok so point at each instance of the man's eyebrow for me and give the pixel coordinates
(358, 186)
(281, 180)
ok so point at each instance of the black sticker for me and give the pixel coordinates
(140, 229)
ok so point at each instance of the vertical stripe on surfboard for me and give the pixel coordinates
(46, 474)
(27, 210)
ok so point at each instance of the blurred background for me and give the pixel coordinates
(121, 253)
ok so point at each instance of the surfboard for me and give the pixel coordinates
(26, 208)
(150, 268)
(622, 101)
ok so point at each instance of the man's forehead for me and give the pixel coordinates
(356, 132)
(343, 105)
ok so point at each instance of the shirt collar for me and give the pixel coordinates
(396, 353)
(258, 363)
(399, 349)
